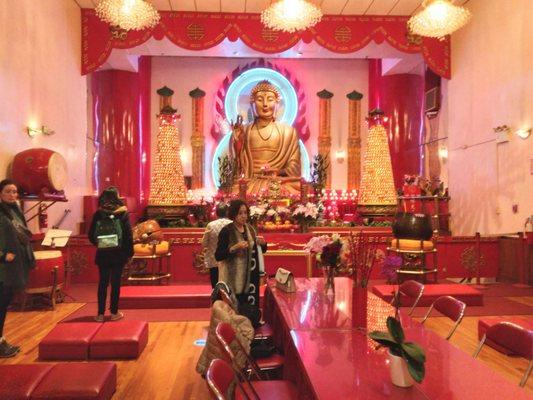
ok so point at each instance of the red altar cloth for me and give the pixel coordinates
(327, 359)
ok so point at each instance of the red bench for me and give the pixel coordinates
(82, 340)
(484, 323)
(432, 292)
(68, 341)
(83, 381)
(124, 339)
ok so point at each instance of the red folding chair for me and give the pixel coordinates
(411, 289)
(226, 335)
(514, 338)
(451, 308)
(220, 375)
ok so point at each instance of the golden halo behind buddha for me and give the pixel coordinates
(265, 86)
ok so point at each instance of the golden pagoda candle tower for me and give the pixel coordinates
(168, 184)
(354, 139)
(377, 194)
(197, 138)
(324, 129)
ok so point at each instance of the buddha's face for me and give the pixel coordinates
(265, 104)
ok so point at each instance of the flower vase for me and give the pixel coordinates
(304, 226)
(359, 307)
(399, 373)
(329, 279)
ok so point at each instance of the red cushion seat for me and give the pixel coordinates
(17, 382)
(80, 381)
(120, 339)
(484, 323)
(68, 341)
(464, 293)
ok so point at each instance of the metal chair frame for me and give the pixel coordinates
(395, 299)
(529, 368)
(457, 322)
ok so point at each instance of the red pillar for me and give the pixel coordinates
(401, 98)
(374, 83)
(116, 124)
(145, 154)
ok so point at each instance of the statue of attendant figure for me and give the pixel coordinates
(265, 147)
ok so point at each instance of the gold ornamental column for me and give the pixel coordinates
(197, 138)
(324, 129)
(354, 140)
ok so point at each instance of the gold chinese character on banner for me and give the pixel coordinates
(343, 34)
(269, 35)
(195, 31)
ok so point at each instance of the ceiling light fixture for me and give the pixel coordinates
(438, 19)
(130, 15)
(291, 15)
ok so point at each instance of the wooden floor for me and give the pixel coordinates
(166, 368)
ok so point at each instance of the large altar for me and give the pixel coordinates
(286, 250)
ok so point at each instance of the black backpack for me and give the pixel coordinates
(108, 232)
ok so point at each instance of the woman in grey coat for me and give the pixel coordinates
(16, 255)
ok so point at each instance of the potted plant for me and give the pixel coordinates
(406, 358)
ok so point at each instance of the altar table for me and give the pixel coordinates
(328, 359)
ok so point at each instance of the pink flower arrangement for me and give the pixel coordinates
(307, 211)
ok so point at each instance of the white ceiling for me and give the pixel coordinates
(335, 7)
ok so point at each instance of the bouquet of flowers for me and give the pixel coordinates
(330, 250)
(257, 212)
(307, 211)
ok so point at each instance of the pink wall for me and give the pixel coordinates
(492, 64)
(338, 76)
(40, 84)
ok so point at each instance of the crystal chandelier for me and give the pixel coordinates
(438, 19)
(129, 15)
(291, 15)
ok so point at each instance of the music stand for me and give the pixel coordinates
(56, 238)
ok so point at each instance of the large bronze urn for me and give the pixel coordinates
(412, 226)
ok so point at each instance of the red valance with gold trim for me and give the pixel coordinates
(200, 31)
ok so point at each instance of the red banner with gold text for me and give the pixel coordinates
(200, 31)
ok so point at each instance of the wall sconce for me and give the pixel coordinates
(340, 155)
(502, 133)
(443, 153)
(523, 133)
(43, 130)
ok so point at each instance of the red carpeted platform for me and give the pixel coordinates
(171, 296)
(467, 294)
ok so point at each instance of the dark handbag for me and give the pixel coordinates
(260, 349)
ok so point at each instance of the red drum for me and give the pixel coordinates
(41, 278)
(39, 171)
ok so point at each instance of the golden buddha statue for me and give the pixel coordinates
(266, 150)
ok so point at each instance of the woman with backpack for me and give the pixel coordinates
(16, 255)
(111, 233)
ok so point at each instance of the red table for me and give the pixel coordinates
(327, 359)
